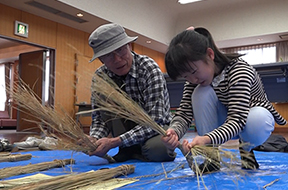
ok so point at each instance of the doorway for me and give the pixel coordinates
(16, 56)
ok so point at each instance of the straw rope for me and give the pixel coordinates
(17, 170)
(75, 181)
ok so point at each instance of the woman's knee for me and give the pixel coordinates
(208, 111)
(204, 93)
(259, 126)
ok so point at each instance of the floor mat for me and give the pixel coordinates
(172, 175)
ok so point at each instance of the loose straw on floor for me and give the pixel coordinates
(17, 170)
(15, 157)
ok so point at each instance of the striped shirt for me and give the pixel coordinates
(146, 85)
(239, 88)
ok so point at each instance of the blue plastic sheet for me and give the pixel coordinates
(273, 166)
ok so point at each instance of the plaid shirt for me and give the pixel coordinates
(146, 85)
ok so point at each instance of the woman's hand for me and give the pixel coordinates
(198, 140)
(171, 139)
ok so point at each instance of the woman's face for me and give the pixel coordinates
(202, 71)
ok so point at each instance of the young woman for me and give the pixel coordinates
(224, 95)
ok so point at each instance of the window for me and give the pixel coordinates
(258, 54)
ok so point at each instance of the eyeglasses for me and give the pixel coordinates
(110, 56)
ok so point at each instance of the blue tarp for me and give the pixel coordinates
(273, 166)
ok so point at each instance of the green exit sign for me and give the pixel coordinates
(21, 29)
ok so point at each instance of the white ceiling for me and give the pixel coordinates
(164, 8)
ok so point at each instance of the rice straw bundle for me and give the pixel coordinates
(15, 157)
(111, 98)
(75, 181)
(66, 129)
(220, 156)
(17, 170)
(4, 154)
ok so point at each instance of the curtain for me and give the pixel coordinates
(282, 51)
(3, 96)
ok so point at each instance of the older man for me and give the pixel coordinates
(141, 78)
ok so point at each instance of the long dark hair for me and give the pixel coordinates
(189, 46)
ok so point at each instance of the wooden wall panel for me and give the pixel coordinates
(151, 53)
(161, 62)
(8, 16)
(282, 108)
(157, 56)
(69, 42)
(41, 30)
(137, 48)
(84, 72)
(88, 52)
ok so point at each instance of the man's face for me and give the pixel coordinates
(118, 61)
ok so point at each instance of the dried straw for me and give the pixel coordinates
(75, 181)
(109, 97)
(17, 170)
(4, 154)
(65, 128)
(15, 157)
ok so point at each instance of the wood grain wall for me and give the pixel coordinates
(157, 56)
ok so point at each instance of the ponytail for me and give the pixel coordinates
(221, 59)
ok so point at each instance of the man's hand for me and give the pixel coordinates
(81, 142)
(171, 139)
(104, 145)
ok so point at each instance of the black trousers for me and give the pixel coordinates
(152, 149)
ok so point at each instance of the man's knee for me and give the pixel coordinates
(155, 151)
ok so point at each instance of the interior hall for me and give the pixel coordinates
(44, 44)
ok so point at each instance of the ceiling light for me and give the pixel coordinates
(79, 14)
(148, 42)
(187, 1)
